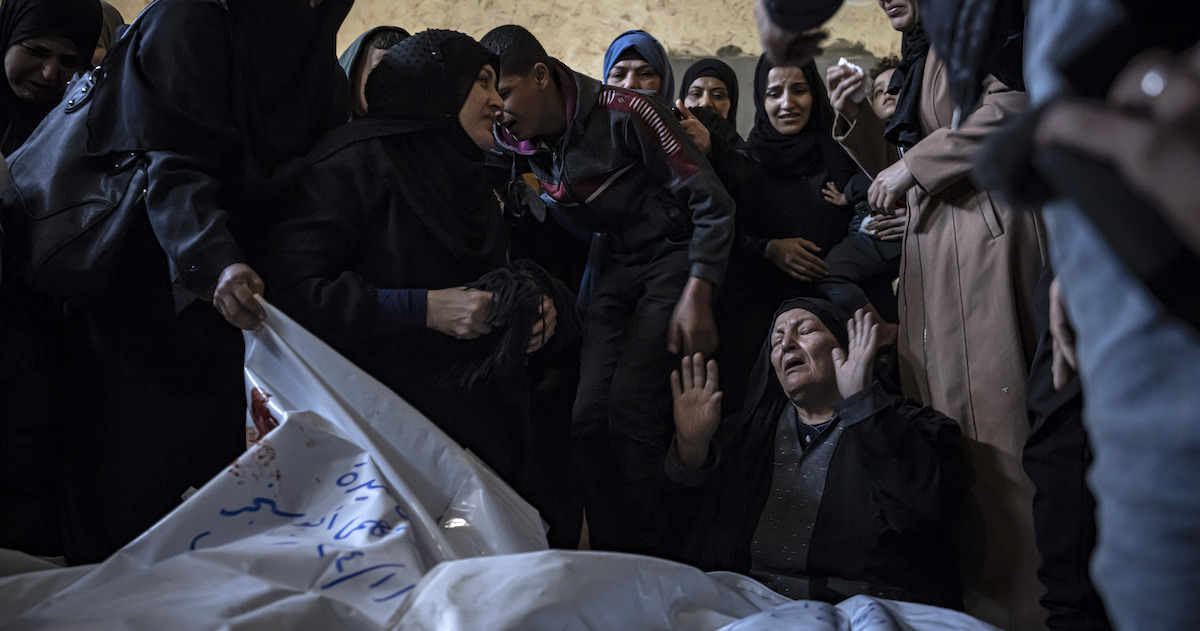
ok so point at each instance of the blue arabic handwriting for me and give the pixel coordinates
(309, 524)
(374, 528)
(389, 597)
(197, 538)
(375, 584)
(259, 502)
(348, 557)
(359, 573)
(342, 524)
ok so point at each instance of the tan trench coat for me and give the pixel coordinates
(967, 275)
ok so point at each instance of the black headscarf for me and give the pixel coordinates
(416, 92)
(112, 19)
(277, 71)
(75, 20)
(763, 384)
(717, 69)
(427, 76)
(832, 316)
(803, 153)
(731, 518)
(787, 202)
(904, 129)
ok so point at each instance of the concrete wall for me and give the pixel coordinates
(579, 32)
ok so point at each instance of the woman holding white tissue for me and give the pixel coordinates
(967, 274)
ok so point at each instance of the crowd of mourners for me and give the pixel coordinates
(830, 352)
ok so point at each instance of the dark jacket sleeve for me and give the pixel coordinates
(680, 473)
(912, 457)
(856, 189)
(181, 201)
(730, 157)
(675, 162)
(737, 169)
(310, 257)
(183, 195)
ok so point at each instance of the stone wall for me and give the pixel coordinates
(578, 32)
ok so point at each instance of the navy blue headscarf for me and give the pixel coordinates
(648, 49)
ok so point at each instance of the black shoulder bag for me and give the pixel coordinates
(66, 214)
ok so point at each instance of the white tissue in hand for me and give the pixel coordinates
(860, 94)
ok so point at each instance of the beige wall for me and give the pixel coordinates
(578, 32)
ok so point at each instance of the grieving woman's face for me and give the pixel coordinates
(482, 108)
(802, 353)
(788, 100)
(709, 92)
(634, 74)
(38, 68)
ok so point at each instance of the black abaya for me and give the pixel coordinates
(154, 394)
(399, 200)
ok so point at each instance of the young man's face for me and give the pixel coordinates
(523, 97)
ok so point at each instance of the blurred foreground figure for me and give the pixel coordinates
(1117, 139)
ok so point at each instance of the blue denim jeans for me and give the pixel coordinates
(1141, 381)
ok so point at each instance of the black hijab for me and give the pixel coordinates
(763, 385)
(414, 96)
(731, 513)
(811, 150)
(427, 76)
(719, 70)
(75, 20)
(787, 202)
(280, 72)
(904, 129)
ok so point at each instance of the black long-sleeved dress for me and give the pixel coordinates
(152, 386)
(883, 513)
(386, 206)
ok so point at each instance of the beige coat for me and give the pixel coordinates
(967, 337)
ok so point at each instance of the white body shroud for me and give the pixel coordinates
(358, 513)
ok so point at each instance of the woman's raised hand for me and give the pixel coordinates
(697, 401)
